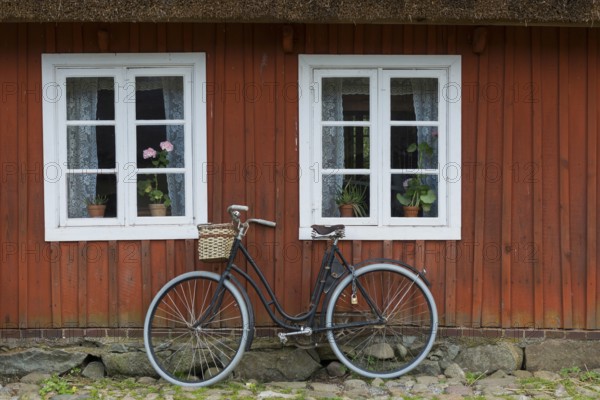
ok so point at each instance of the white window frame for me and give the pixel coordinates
(127, 225)
(380, 225)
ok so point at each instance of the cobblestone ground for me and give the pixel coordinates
(522, 385)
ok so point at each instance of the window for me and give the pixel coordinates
(129, 131)
(384, 130)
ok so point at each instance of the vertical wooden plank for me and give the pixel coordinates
(217, 149)
(522, 314)
(67, 259)
(146, 275)
(480, 183)
(22, 188)
(55, 284)
(491, 172)
(592, 182)
(113, 284)
(507, 197)
(538, 223)
(550, 257)
(96, 261)
(82, 280)
(565, 222)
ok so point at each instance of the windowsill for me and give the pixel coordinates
(404, 232)
(105, 233)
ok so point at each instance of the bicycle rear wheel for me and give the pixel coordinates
(390, 326)
(193, 338)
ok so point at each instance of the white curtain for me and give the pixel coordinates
(333, 143)
(173, 101)
(425, 102)
(82, 103)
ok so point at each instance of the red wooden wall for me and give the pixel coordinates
(529, 250)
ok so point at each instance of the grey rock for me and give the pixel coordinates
(128, 364)
(547, 375)
(428, 367)
(381, 351)
(555, 354)
(336, 369)
(324, 387)
(279, 365)
(454, 371)
(146, 380)
(35, 377)
(491, 357)
(274, 395)
(377, 382)
(94, 370)
(427, 380)
(522, 374)
(459, 390)
(21, 363)
(353, 384)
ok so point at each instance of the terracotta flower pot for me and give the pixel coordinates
(96, 210)
(157, 210)
(346, 211)
(411, 211)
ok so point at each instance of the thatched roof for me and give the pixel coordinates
(520, 12)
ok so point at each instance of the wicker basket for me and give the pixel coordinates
(215, 241)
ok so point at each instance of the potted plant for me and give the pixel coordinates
(96, 206)
(351, 200)
(159, 200)
(417, 194)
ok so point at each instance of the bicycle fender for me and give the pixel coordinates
(393, 262)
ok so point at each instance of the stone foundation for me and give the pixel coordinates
(125, 355)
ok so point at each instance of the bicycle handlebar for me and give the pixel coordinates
(262, 222)
(234, 210)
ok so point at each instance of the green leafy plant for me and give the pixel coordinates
(416, 192)
(56, 384)
(352, 195)
(97, 201)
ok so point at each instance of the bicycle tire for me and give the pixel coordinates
(202, 356)
(389, 347)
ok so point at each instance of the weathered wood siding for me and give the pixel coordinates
(529, 250)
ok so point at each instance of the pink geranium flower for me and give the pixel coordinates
(149, 153)
(166, 145)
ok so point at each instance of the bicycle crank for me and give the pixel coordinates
(303, 331)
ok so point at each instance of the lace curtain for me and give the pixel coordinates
(173, 101)
(82, 103)
(333, 143)
(425, 103)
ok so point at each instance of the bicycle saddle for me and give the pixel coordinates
(324, 230)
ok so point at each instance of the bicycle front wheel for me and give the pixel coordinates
(193, 335)
(382, 323)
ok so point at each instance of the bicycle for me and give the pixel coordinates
(379, 316)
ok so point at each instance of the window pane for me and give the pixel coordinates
(160, 146)
(168, 189)
(414, 147)
(345, 99)
(414, 99)
(90, 99)
(346, 147)
(414, 190)
(159, 97)
(345, 189)
(90, 147)
(84, 189)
